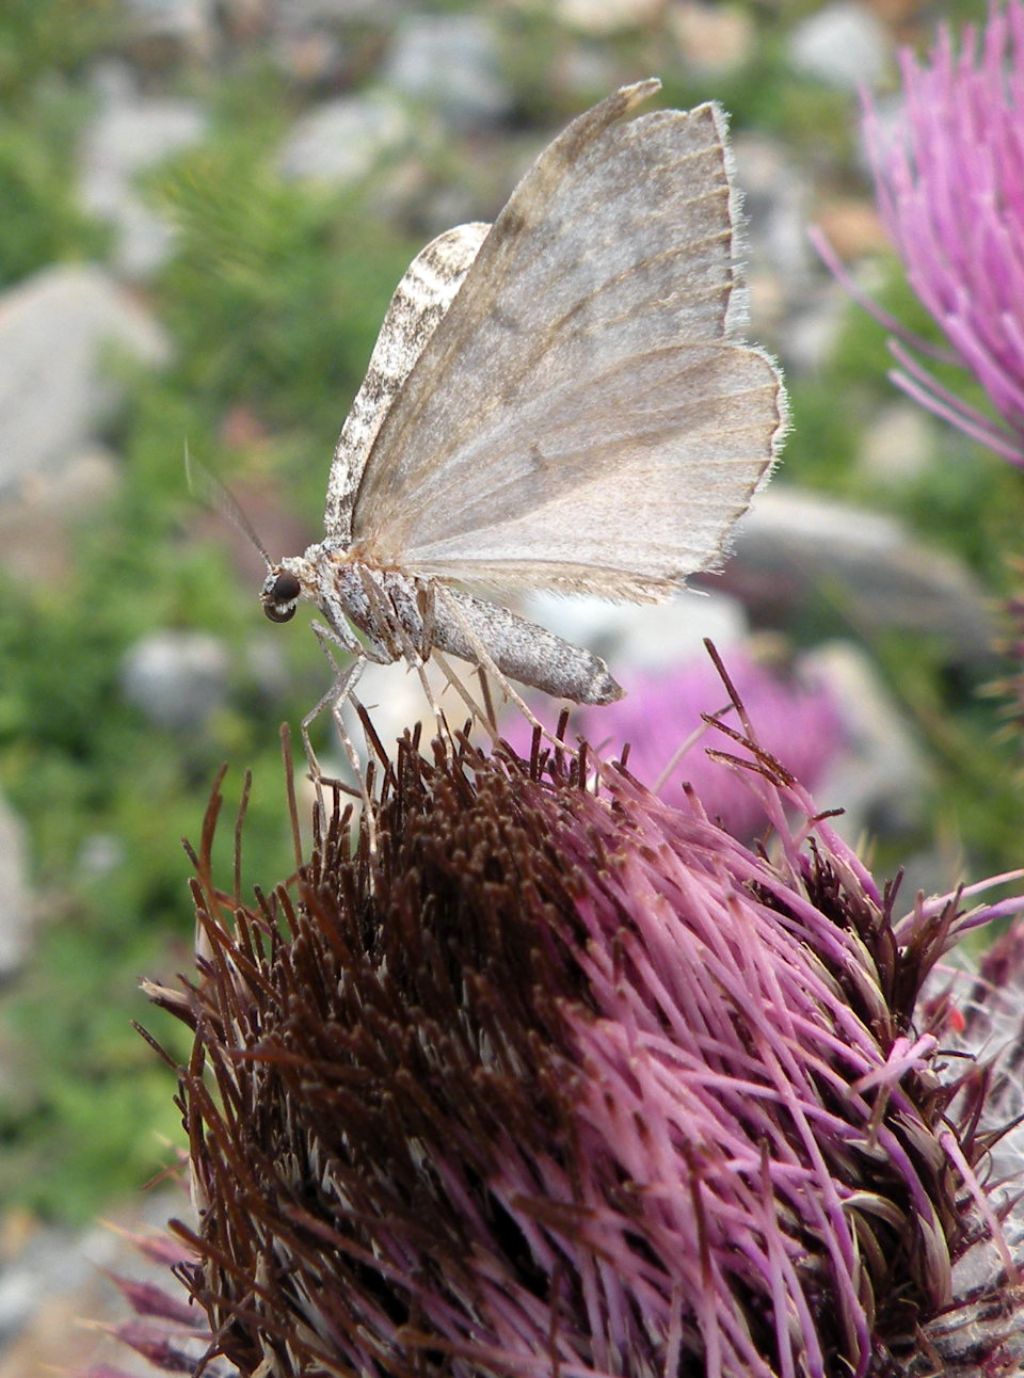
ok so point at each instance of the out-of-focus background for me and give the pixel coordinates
(204, 206)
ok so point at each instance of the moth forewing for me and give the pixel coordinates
(560, 401)
(584, 364)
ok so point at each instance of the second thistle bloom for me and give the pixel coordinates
(950, 184)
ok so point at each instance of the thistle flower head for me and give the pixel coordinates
(949, 177)
(565, 1080)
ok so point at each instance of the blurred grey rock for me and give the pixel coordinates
(127, 138)
(714, 40)
(183, 27)
(793, 545)
(776, 206)
(898, 445)
(246, 20)
(645, 636)
(50, 1260)
(267, 663)
(57, 330)
(881, 778)
(812, 331)
(53, 1277)
(101, 853)
(585, 72)
(15, 896)
(344, 140)
(450, 62)
(176, 678)
(308, 56)
(299, 12)
(39, 512)
(601, 18)
(843, 45)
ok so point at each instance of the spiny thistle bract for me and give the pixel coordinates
(565, 1081)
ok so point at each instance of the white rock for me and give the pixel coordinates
(56, 331)
(294, 13)
(176, 678)
(344, 140)
(776, 206)
(189, 22)
(792, 543)
(898, 445)
(38, 513)
(600, 18)
(265, 659)
(713, 39)
(101, 853)
(308, 56)
(16, 916)
(812, 332)
(450, 62)
(843, 45)
(129, 137)
(645, 636)
(52, 1277)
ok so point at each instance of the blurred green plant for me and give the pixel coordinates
(50, 38)
(42, 221)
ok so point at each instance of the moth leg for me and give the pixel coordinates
(485, 694)
(340, 692)
(486, 662)
(417, 656)
(345, 695)
(427, 608)
(481, 715)
(413, 645)
(326, 638)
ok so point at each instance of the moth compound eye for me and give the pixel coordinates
(285, 588)
(280, 594)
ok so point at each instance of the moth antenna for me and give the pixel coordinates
(209, 490)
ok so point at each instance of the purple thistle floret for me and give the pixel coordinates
(563, 1080)
(949, 179)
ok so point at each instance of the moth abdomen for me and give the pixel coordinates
(520, 649)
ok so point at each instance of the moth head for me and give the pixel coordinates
(282, 588)
(280, 594)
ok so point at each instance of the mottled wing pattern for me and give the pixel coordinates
(583, 417)
(422, 297)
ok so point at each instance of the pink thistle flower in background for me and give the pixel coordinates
(949, 179)
(563, 1080)
(661, 720)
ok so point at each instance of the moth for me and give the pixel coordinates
(561, 400)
